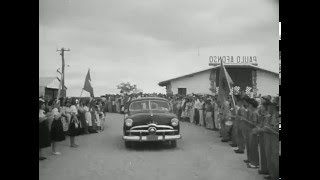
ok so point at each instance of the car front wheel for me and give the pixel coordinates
(128, 144)
(174, 143)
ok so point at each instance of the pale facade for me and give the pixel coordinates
(197, 83)
(265, 82)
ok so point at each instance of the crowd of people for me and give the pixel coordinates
(68, 117)
(230, 120)
(79, 116)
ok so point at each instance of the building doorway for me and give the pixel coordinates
(182, 91)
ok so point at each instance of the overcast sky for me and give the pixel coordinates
(148, 41)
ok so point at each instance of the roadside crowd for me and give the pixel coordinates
(68, 117)
(251, 126)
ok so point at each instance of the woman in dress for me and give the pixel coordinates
(97, 112)
(208, 117)
(201, 119)
(183, 109)
(56, 133)
(109, 105)
(44, 133)
(118, 104)
(82, 118)
(74, 126)
(191, 110)
(114, 104)
(64, 117)
(196, 111)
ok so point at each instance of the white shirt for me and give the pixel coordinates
(197, 104)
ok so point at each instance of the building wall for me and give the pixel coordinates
(41, 91)
(198, 83)
(267, 83)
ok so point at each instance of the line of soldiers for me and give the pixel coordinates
(253, 126)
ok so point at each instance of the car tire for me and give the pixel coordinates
(128, 144)
(174, 143)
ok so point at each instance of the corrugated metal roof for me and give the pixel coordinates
(163, 83)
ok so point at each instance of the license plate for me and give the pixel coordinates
(152, 137)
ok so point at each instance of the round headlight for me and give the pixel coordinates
(128, 122)
(174, 122)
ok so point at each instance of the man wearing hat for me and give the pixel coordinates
(241, 114)
(226, 117)
(234, 129)
(253, 155)
(264, 119)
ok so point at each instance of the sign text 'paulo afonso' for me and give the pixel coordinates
(216, 60)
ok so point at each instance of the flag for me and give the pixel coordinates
(87, 84)
(225, 83)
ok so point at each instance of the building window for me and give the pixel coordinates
(182, 91)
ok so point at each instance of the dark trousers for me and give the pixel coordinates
(272, 155)
(214, 121)
(196, 116)
(253, 146)
(179, 113)
(246, 132)
(240, 136)
(234, 132)
(225, 130)
(262, 154)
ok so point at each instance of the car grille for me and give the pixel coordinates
(143, 130)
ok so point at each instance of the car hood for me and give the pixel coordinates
(143, 118)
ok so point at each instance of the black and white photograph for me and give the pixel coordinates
(159, 89)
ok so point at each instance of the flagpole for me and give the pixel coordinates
(234, 104)
(81, 93)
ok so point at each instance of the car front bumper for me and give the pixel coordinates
(156, 138)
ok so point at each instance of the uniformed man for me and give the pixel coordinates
(263, 121)
(226, 116)
(253, 155)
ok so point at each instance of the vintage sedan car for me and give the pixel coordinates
(150, 119)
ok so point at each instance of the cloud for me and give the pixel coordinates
(148, 41)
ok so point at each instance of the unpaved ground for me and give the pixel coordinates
(199, 155)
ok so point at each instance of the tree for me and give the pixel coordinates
(127, 88)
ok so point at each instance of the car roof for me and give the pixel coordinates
(149, 98)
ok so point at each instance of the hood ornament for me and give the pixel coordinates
(152, 122)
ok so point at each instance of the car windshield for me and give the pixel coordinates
(149, 105)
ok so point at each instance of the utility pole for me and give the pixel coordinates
(62, 50)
